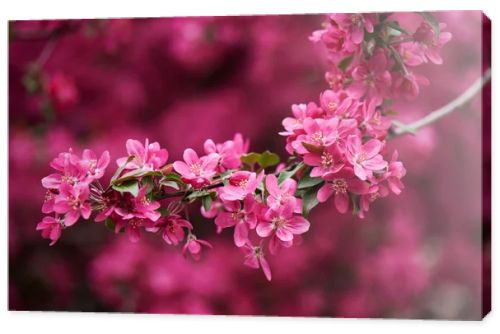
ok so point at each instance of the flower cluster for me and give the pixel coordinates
(337, 149)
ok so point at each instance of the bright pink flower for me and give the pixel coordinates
(338, 42)
(91, 166)
(133, 227)
(68, 164)
(138, 207)
(282, 223)
(374, 192)
(324, 132)
(371, 79)
(193, 246)
(411, 53)
(282, 195)
(329, 161)
(430, 42)
(396, 171)
(242, 217)
(355, 24)
(146, 157)
(365, 158)
(173, 228)
(51, 228)
(340, 185)
(229, 152)
(300, 112)
(338, 104)
(254, 258)
(408, 85)
(336, 78)
(72, 201)
(48, 202)
(240, 185)
(197, 171)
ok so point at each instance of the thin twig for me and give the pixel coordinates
(401, 129)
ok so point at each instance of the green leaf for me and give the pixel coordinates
(207, 202)
(344, 63)
(164, 212)
(121, 168)
(309, 200)
(282, 176)
(268, 159)
(431, 19)
(250, 158)
(131, 186)
(110, 224)
(307, 181)
(355, 203)
(197, 194)
(171, 184)
(395, 25)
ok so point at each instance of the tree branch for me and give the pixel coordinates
(412, 128)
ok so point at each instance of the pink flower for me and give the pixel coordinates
(240, 185)
(229, 152)
(336, 78)
(173, 228)
(408, 85)
(254, 258)
(329, 161)
(373, 122)
(282, 195)
(193, 246)
(146, 157)
(68, 164)
(338, 42)
(51, 228)
(133, 227)
(432, 44)
(324, 132)
(395, 173)
(340, 185)
(371, 79)
(138, 207)
(242, 217)
(337, 104)
(374, 192)
(71, 201)
(411, 53)
(48, 202)
(91, 166)
(62, 91)
(282, 223)
(355, 24)
(197, 171)
(365, 158)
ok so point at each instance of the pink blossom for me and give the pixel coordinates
(145, 157)
(197, 171)
(49, 201)
(138, 207)
(337, 104)
(72, 201)
(336, 78)
(68, 164)
(338, 42)
(330, 160)
(242, 217)
(355, 24)
(133, 227)
(374, 192)
(51, 228)
(372, 78)
(365, 158)
(340, 185)
(395, 172)
(91, 166)
(229, 152)
(173, 228)
(408, 85)
(373, 122)
(282, 195)
(411, 53)
(282, 223)
(430, 42)
(62, 91)
(193, 246)
(254, 258)
(240, 185)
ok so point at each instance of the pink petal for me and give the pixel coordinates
(264, 229)
(324, 193)
(342, 202)
(298, 225)
(240, 234)
(190, 156)
(284, 234)
(265, 268)
(272, 185)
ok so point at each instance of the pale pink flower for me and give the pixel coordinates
(254, 258)
(365, 158)
(432, 44)
(72, 201)
(240, 185)
(411, 53)
(91, 166)
(330, 160)
(282, 195)
(338, 42)
(51, 228)
(193, 246)
(355, 24)
(146, 157)
(242, 217)
(372, 78)
(68, 164)
(340, 185)
(195, 170)
(408, 85)
(373, 122)
(338, 104)
(395, 172)
(229, 152)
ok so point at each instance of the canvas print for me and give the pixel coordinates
(329, 165)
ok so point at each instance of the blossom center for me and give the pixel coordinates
(195, 168)
(339, 186)
(326, 160)
(317, 137)
(279, 222)
(361, 157)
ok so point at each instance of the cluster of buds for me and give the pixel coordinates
(337, 149)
